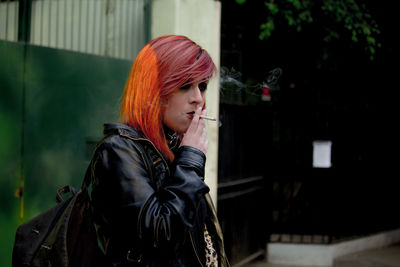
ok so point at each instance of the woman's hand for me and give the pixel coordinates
(196, 135)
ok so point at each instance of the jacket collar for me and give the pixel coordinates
(122, 129)
(127, 130)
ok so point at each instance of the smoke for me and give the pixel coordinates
(233, 90)
(272, 81)
(229, 80)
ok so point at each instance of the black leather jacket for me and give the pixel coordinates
(149, 211)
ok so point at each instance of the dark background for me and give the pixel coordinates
(345, 98)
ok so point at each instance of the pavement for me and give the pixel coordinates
(379, 257)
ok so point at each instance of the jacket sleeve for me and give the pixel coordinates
(125, 194)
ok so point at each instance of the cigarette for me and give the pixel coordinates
(208, 118)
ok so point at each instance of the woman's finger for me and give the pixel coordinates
(195, 121)
(196, 134)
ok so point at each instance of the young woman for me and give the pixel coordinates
(150, 200)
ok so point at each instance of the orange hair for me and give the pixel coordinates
(164, 65)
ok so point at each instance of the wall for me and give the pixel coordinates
(112, 28)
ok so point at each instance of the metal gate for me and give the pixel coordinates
(244, 140)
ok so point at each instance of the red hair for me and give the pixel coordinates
(164, 65)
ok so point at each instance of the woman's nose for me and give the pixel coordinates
(196, 96)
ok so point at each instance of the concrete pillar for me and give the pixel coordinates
(200, 20)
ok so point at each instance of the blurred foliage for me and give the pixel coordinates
(340, 16)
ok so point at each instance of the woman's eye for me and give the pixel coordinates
(202, 86)
(186, 86)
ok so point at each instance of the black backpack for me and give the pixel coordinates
(62, 236)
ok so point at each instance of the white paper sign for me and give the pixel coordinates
(322, 154)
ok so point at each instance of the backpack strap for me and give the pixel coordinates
(70, 189)
(88, 178)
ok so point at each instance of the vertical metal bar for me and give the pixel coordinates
(137, 32)
(94, 25)
(57, 20)
(33, 24)
(139, 28)
(147, 21)
(49, 23)
(22, 151)
(127, 29)
(24, 16)
(79, 25)
(72, 23)
(87, 26)
(114, 29)
(6, 31)
(65, 24)
(115, 40)
(123, 28)
(120, 30)
(123, 25)
(134, 16)
(41, 22)
(102, 18)
(23, 121)
(16, 20)
(24, 22)
(123, 31)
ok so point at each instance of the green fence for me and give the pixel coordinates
(52, 107)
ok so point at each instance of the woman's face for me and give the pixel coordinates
(179, 108)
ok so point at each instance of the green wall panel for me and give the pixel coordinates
(57, 110)
(11, 80)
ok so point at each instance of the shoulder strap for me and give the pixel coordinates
(152, 158)
(153, 162)
(88, 178)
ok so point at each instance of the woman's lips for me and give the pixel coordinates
(190, 114)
